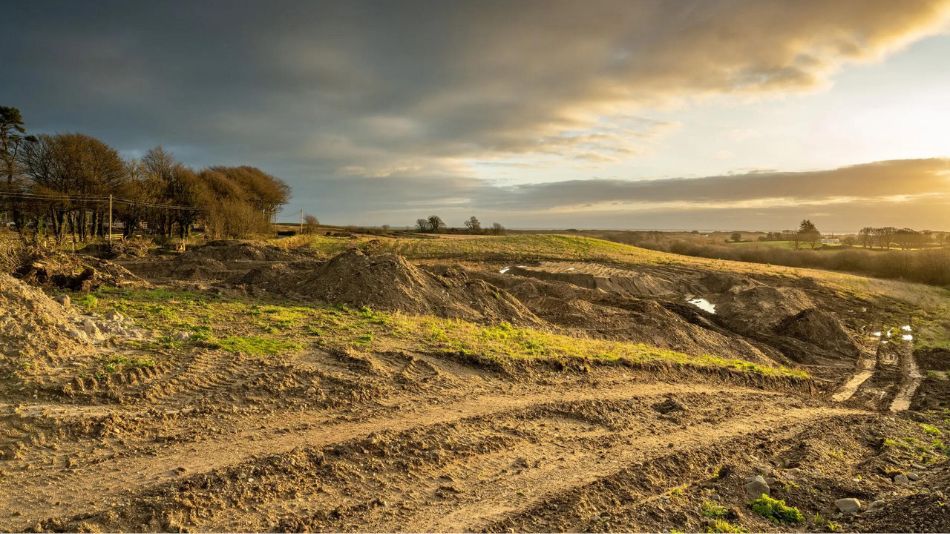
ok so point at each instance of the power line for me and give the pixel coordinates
(96, 199)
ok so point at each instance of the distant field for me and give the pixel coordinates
(765, 244)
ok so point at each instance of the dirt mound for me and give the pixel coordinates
(819, 328)
(760, 308)
(123, 249)
(216, 261)
(717, 282)
(621, 282)
(388, 282)
(234, 250)
(34, 326)
(595, 313)
(73, 271)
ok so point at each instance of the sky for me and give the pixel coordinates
(621, 114)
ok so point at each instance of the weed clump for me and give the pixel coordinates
(713, 510)
(721, 525)
(776, 510)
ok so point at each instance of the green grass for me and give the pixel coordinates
(244, 325)
(776, 510)
(713, 510)
(721, 525)
(257, 345)
(504, 341)
(931, 430)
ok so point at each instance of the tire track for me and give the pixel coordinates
(38, 497)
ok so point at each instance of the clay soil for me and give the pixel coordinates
(246, 386)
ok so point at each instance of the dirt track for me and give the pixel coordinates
(571, 448)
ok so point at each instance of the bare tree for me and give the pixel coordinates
(310, 224)
(497, 229)
(436, 223)
(422, 225)
(473, 225)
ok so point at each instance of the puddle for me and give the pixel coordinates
(703, 304)
(504, 270)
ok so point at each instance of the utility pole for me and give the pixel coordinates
(110, 219)
(301, 221)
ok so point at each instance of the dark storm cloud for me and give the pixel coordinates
(339, 97)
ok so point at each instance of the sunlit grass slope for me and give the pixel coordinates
(281, 330)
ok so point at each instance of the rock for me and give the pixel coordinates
(756, 487)
(876, 505)
(182, 336)
(901, 479)
(114, 316)
(913, 476)
(89, 327)
(849, 505)
(669, 405)
(64, 300)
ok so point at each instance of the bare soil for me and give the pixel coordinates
(205, 439)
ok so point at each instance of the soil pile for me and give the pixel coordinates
(233, 250)
(387, 281)
(122, 249)
(595, 313)
(620, 282)
(216, 261)
(760, 308)
(73, 272)
(819, 328)
(33, 326)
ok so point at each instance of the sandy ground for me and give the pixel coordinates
(412, 441)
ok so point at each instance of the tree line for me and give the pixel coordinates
(60, 185)
(888, 236)
(434, 224)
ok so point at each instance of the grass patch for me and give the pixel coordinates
(88, 302)
(257, 345)
(505, 341)
(931, 430)
(248, 326)
(776, 510)
(713, 510)
(721, 525)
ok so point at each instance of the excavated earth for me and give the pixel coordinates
(325, 440)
